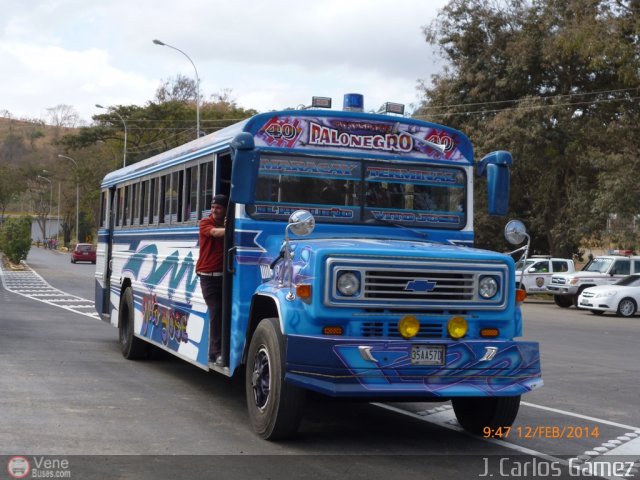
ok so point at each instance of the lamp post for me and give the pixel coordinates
(58, 216)
(58, 224)
(124, 154)
(158, 42)
(50, 200)
(77, 194)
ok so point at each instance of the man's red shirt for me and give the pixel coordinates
(211, 248)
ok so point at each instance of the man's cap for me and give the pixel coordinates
(220, 200)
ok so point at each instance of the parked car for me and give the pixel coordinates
(621, 298)
(601, 270)
(538, 271)
(84, 252)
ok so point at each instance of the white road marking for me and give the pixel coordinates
(577, 415)
(28, 283)
(632, 447)
(628, 444)
(447, 419)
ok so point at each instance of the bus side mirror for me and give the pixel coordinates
(244, 170)
(497, 165)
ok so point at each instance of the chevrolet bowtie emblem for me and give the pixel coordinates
(420, 286)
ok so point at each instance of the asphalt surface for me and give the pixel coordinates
(67, 393)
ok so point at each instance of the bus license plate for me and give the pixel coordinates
(427, 355)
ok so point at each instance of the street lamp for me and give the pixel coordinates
(58, 217)
(77, 194)
(50, 200)
(158, 42)
(124, 155)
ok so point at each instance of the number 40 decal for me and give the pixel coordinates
(277, 131)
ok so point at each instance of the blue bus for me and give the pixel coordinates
(349, 265)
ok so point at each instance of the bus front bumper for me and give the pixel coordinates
(366, 368)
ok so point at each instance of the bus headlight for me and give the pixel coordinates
(348, 284)
(488, 287)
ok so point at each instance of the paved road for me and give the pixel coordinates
(67, 391)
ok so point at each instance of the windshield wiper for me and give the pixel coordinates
(399, 225)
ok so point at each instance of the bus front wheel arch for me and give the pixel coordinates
(275, 406)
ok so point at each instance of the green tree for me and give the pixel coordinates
(15, 238)
(10, 186)
(164, 123)
(548, 80)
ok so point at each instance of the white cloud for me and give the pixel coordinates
(271, 54)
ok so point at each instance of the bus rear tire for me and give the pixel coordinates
(132, 347)
(475, 414)
(275, 407)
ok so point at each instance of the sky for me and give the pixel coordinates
(269, 54)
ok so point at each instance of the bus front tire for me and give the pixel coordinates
(475, 414)
(132, 347)
(275, 407)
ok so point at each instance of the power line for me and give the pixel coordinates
(540, 97)
(521, 107)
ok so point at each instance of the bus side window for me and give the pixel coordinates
(224, 173)
(143, 202)
(177, 191)
(153, 202)
(191, 194)
(118, 205)
(165, 184)
(103, 208)
(134, 204)
(125, 205)
(206, 188)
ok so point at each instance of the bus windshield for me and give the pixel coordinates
(361, 191)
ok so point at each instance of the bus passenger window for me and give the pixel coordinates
(176, 200)
(165, 206)
(191, 194)
(103, 208)
(134, 204)
(143, 202)
(206, 189)
(153, 201)
(125, 210)
(118, 205)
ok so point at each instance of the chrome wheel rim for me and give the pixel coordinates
(261, 378)
(626, 308)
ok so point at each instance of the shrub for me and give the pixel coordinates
(15, 238)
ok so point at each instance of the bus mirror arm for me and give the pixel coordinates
(275, 260)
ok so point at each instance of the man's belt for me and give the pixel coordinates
(209, 274)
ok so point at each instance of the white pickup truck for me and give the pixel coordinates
(538, 271)
(602, 270)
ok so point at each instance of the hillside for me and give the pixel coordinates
(28, 142)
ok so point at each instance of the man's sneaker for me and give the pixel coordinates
(219, 362)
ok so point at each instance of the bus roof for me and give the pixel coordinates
(321, 132)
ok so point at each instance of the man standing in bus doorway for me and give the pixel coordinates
(209, 269)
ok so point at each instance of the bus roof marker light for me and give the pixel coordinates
(321, 102)
(353, 102)
(396, 108)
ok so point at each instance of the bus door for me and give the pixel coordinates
(104, 308)
(223, 181)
